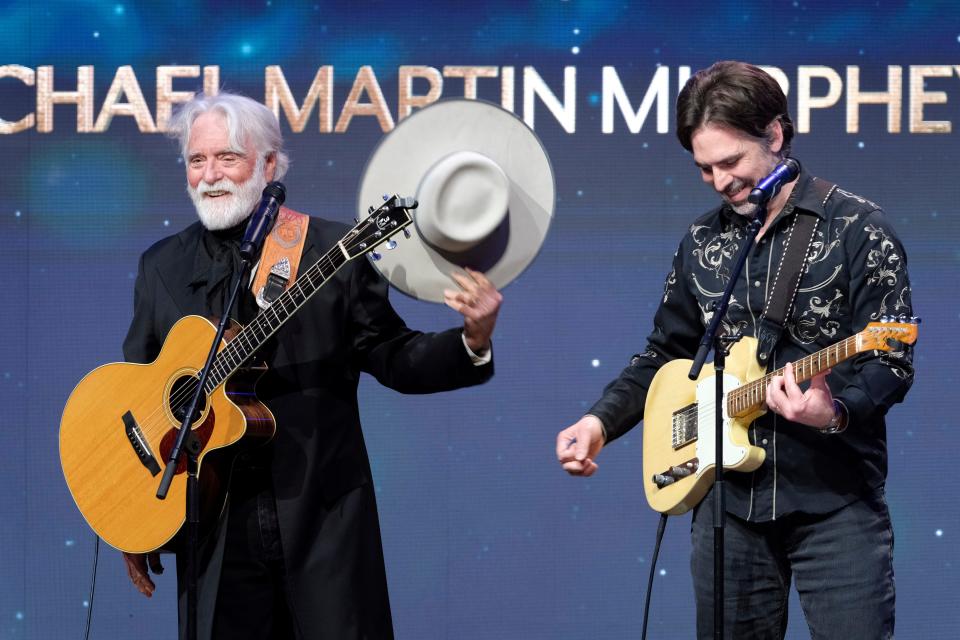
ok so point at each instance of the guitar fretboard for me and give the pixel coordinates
(268, 321)
(751, 396)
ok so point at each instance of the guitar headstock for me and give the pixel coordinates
(390, 218)
(876, 334)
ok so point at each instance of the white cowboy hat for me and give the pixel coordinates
(485, 188)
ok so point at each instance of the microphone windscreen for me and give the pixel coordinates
(276, 190)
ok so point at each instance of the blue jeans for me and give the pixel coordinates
(842, 563)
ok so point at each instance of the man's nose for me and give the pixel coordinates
(721, 180)
(211, 172)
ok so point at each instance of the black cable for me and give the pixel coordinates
(661, 527)
(93, 585)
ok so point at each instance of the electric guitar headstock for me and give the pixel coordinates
(877, 335)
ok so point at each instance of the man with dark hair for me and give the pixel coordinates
(297, 553)
(814, 511)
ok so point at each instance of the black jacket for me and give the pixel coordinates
(321, 475)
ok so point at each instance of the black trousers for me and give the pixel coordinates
(253, 595)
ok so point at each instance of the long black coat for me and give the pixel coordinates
(321, 475)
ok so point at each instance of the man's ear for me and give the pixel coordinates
(775, 135)
(270, 167)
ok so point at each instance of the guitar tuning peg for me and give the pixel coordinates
(391, 244)
(385, 197)
(375, 256)
(406, 233)
(356, 220)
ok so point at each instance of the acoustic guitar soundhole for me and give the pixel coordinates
(181, 393)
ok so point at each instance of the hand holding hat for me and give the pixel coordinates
(479, 302)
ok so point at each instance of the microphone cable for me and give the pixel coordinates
(661, 527)
(93, 585)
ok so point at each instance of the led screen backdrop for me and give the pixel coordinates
(484, 536)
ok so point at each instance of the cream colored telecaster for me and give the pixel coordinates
(679, 457)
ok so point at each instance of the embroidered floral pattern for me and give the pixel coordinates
(716, 253)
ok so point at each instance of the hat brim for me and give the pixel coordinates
(404, 157)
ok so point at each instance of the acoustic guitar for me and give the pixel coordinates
(679, 450)
(122, 419)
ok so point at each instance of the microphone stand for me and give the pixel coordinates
(720, 345)
(261, 222)
(186, 437)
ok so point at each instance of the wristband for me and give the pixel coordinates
(839, 422)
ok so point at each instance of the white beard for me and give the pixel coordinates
(228, 210)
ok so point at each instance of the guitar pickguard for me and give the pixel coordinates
(706, 423)
(678, 431)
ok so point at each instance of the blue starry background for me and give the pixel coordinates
(484, 536)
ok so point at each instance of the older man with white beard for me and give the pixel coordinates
(298, 554)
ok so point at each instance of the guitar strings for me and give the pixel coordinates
(744, 394)
(156, 423)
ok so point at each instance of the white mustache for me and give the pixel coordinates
(220, 185)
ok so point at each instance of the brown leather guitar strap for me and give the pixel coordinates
(786, 281)
(280, 257)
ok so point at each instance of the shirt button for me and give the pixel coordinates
(756, 283)
(764, 441)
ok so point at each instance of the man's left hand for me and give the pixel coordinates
(813, 408)
(479, 302)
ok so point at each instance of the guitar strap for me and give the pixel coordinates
(786, 281)
(280, 257)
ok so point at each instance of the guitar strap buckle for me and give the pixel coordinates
(276, 282)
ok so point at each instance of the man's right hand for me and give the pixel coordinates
(137, 564)
(578, 446)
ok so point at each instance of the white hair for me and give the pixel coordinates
(247, 120)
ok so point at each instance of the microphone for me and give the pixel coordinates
(768, 188)
(262, 221)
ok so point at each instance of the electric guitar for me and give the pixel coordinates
(122, 419)
(679, 450)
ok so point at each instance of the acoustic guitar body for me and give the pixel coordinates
(119, 426)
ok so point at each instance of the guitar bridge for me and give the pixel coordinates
(677, 472)
(139, 444)
(684, 425)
